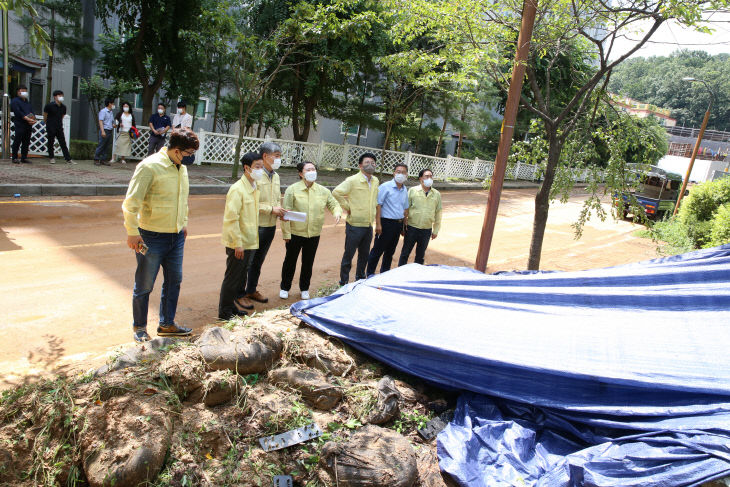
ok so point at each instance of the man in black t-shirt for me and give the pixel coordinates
(53, 115)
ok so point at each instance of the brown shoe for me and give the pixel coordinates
(244, 303)
(258, 297)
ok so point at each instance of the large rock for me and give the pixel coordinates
(373, 457)
(311, 384)
(238, 352)
(186, 370)
(152, 350)
(387, 405)
(218, 387)
(124, 440)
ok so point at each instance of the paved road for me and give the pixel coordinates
(65, 292)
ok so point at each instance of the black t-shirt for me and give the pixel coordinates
(55, 112)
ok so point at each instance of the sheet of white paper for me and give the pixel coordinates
(295, 216)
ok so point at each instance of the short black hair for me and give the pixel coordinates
(249, 157)
(21, 87)
(161, 105)
(423, 171)
(108, 101)
(401, 164)
(57, 92)
(125, 103)
(181, 104)
(300, 166)
(367, 154)
(184, 139)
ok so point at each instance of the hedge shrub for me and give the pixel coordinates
(720, 231)
(82, 150)
(699, 208)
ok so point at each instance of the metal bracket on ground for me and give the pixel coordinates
(283, 481)
(436, 425)
(289, 438)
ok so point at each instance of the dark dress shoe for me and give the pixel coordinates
(173, 330)
(140, 335)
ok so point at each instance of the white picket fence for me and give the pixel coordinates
(38, 140)
(219, 148)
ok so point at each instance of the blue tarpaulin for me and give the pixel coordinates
(616, 376)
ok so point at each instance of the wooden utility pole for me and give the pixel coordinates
(529, 10)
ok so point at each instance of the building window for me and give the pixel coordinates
(201, 108)
(352, 130)
(138, 101)
(75, 87)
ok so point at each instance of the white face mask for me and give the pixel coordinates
(428, 182)
(257, 174)
(160, 111)
(310, 176)
(24, 94)
(126, 109)
(276, 165)
(112, 108)
(400, 178)
(60, 99)
(179, 111)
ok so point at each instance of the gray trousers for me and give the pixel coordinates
(356, 239)
(157, 142)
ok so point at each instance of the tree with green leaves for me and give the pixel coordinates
(146, 46)
(657, 80)
(25, 8)
(573, 51)
(97, 90)
(61, 19)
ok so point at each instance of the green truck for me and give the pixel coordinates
(656, 193)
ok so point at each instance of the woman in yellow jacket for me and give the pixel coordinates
(305, 196)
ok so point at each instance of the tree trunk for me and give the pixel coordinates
(461, 132)
(217, 99)
(420, 125)
(52, 47)
(148, 96)
(239, 141)
(362, 105)
(542, 200)
(441, 135)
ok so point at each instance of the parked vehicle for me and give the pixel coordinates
(656, 193)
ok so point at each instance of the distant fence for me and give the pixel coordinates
(715, 135)
(685, 150)
(38, 139)
(219, 148)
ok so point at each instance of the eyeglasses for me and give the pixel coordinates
(188, 152)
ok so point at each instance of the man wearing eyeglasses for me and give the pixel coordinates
(156, 218)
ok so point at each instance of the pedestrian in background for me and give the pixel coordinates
(305, 196)
(183, 119)
(124, 121)
(391, 216)
(357, 195)
(240, 234)
(156, 219)
(106, 125)
(269, 211)
(24, 120)
(159, 125)
(424, 218)
(53, 114)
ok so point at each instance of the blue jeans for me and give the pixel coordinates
(418, 237)
(103, 147)
(166, 250)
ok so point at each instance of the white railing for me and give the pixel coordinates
(38, 140)
(219, 148)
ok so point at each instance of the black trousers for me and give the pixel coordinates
(266, 236)
(156, 143)
(233, 279)
(385, 245)
(51, 135)
(21, 139)
(356, 239)
(419, 238)
(308, 247)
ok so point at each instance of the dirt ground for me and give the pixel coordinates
(65, 296)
